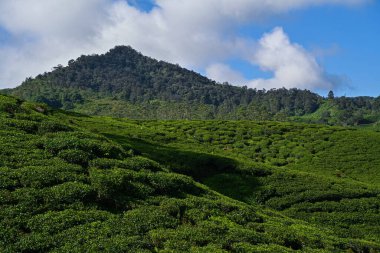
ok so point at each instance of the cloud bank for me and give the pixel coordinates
(198, 34)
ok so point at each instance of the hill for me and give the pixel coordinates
(124, 83)
(71, 182)
(328, 176)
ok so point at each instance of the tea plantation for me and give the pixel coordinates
(74, 183)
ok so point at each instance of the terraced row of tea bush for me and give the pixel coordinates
(328, 176)
(65, 189)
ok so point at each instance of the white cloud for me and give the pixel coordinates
(194, 33)
(66, 19)
(224, 73)
(46, 33)
(290, 63)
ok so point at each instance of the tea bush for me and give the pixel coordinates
(64, 188)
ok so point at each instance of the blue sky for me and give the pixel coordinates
(144, 5)
(356, 35)
(318, 45)
(346, 40)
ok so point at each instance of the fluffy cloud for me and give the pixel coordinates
(224, 73)
(46, 33)
(198, 34)
(70, 19)
(291, 64)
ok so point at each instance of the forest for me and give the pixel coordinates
(124, 83)
(70, 182)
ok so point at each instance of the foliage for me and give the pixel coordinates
(77, 187)
(325, 175)
(124, 83)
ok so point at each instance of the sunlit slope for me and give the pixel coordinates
(65, 189)
(328, 176)
(345, 153)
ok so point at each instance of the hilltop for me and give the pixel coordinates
(124, 83)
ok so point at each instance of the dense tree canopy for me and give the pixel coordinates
(125, 75)
(124, 83)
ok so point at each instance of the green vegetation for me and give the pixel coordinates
(327, 176)
(124, 83)
(74, 183)
(125, 78)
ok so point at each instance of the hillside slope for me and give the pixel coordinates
(328, 176)
(124, 83)
(65, 188)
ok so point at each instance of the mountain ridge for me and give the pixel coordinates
(124, 74)
(125, 83)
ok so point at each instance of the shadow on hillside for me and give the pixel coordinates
(195, 164)
(73, 114)
(234, 185)
(218, 173)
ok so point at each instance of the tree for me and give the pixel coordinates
(325, 117)
(330, 96)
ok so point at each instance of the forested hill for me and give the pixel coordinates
(124, 75)
(124, 83)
